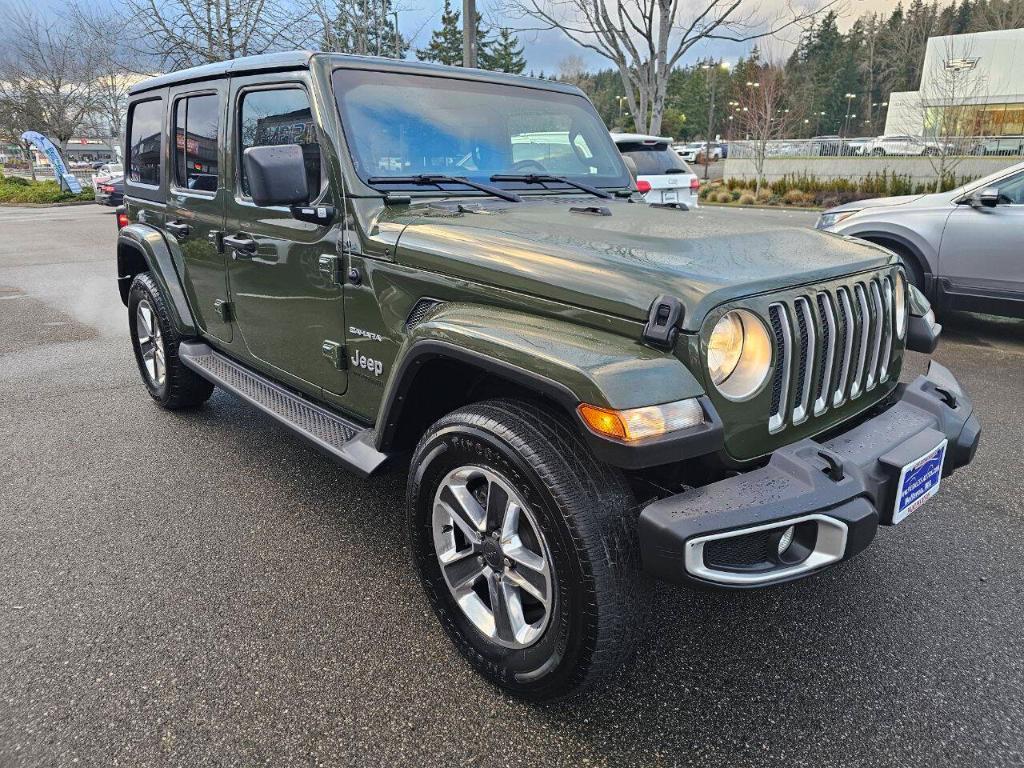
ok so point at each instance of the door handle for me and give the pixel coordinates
(179, 228)
(241, 244)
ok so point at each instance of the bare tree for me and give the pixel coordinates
(645, 39)
(47, 65)
(115, 66)
(572, 69)
(765, 115)
(185, 33)
(999, 14)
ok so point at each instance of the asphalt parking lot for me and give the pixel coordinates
(203, 589)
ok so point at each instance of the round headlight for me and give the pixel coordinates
(739, 354)
(901, 304)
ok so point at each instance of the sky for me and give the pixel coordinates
(545, 50)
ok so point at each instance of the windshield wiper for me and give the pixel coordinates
(437, 179)
(543, 178)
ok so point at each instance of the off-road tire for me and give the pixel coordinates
(588, 515)
(181, 388)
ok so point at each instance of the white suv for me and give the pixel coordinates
(901, 145)
(662, 176)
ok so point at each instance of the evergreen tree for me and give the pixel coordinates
(365, 27)
(505, 54)
(445, 45)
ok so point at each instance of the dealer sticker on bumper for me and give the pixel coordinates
(919, 481)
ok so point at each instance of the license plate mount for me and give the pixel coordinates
(919, 481)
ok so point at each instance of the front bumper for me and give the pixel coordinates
(835, 492)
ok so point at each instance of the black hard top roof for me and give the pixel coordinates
(269, 62)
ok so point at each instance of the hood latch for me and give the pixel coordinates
(663, 321)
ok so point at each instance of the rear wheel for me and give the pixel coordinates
(155, 341)
(526, 546)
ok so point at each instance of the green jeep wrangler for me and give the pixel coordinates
(454, 268)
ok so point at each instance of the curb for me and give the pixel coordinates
(61, 204)
(813, 209)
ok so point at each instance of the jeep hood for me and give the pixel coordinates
(619, 263)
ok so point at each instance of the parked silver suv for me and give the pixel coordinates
(964, 248)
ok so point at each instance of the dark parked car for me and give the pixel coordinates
(453, 270)
(110, 192)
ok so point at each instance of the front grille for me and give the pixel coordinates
(832, 345)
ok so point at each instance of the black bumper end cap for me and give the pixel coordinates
(923, 333)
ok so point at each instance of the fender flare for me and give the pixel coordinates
(562, 361)
(148, 243)
(905, 242)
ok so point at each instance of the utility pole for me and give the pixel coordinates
(398, 38)
(712, 70)
(469, 33)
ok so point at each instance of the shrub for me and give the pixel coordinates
(794, 197)
(735, 194)
(723, 197)
(14, 189)
(747, 198)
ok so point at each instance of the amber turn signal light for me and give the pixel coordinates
(641, 423)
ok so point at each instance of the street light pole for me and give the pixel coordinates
(398, 38)
(469, 33)
(846, 123)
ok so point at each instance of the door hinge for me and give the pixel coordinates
(224, 310)
(335, 352)
(330, 268)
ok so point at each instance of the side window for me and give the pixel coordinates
(279, 116)
(196, 120)
(1011, 190)
(145, 142)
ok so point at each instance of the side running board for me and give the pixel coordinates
(347, 443)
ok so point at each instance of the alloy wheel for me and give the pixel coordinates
(151, 343)
(493, 555)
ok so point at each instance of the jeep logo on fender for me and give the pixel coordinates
(360, 360)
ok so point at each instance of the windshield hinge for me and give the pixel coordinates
(663, 321)
(330, 267)
(335, 352)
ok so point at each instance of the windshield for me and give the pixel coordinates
(653, 159)
(406, 125)
(986, 180)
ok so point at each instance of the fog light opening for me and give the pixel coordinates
(786, 540)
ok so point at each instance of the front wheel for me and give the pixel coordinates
(526, 546)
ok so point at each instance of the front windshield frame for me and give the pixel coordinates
(617, 177)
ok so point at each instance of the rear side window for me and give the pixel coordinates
(145, 142)
(196, 121)
(653, 159)
(280, 116)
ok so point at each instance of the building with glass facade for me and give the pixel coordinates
(970, 85)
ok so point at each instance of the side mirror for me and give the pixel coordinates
(989, 197)
(276, 175)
